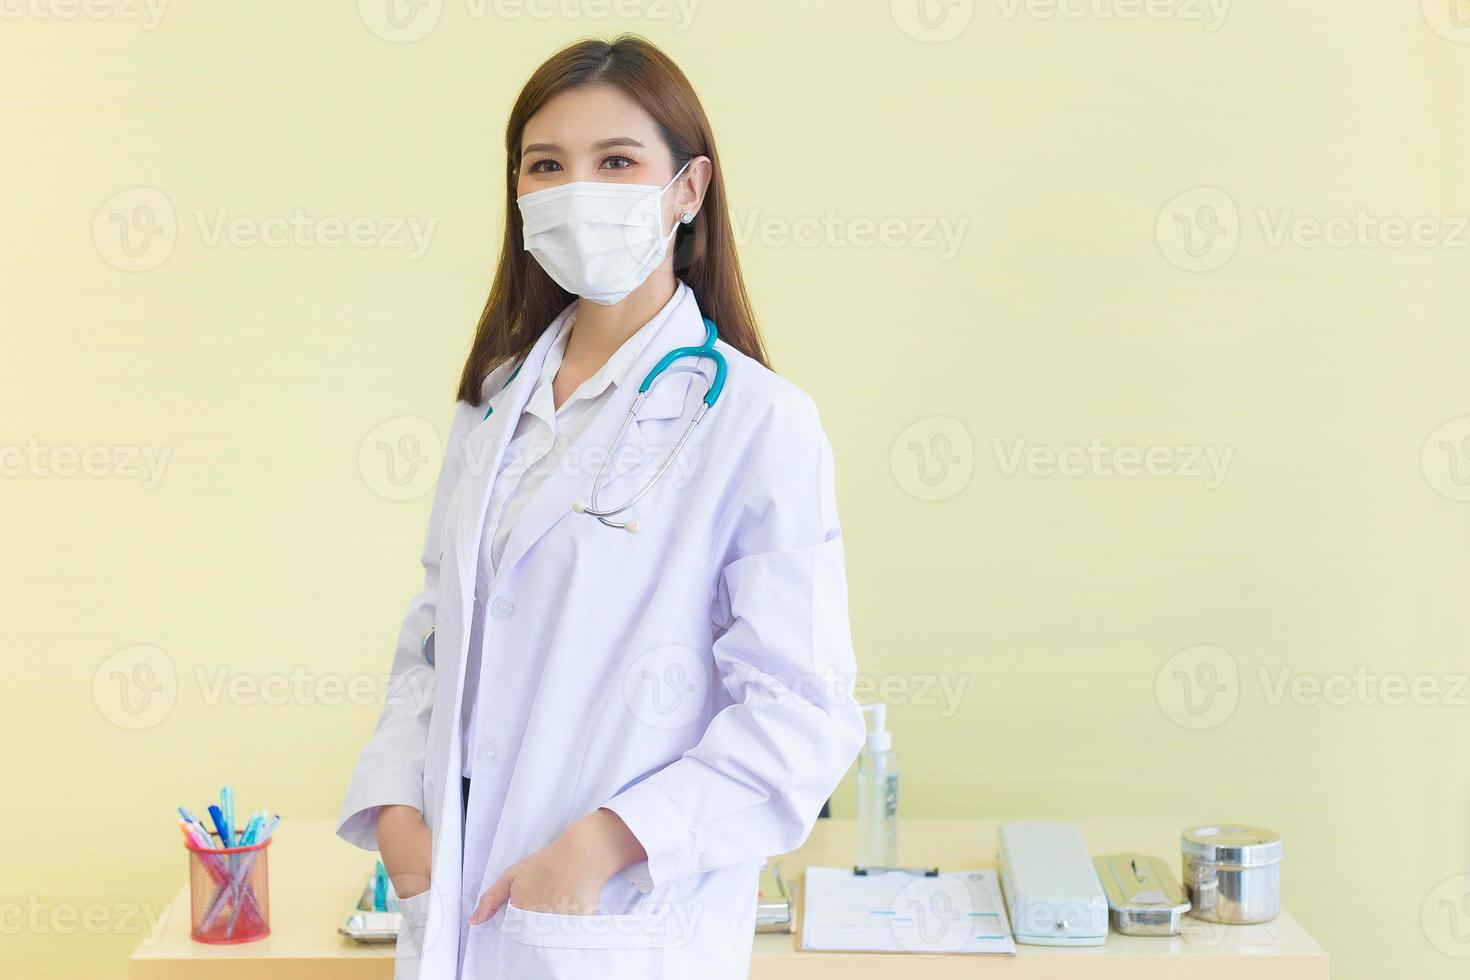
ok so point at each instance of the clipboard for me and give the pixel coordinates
(904, 911)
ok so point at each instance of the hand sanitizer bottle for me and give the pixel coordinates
(877, 795)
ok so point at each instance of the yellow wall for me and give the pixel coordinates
(1059, 643)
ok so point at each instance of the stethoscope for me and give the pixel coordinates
(711, 395)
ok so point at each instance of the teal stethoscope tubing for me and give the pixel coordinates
(705, 350)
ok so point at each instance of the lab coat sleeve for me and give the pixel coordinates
(390, 768)
(754, 783)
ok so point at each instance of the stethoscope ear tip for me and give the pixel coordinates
(579, 506)
(632, 527)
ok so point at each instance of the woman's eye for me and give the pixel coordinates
(617, 163)
(544, 167)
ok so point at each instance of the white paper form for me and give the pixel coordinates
(900, 912)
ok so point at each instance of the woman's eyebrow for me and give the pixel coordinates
(599, 145)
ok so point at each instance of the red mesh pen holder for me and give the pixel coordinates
(229, 897)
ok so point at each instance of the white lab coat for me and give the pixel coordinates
(695, 678)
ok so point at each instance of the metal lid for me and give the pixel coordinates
(1231, 843)
(1142, 888)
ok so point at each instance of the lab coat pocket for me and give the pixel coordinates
(546, 946)
(413, 924)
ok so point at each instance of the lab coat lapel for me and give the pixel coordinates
(487, 443)
(572, 479)
(484, 448)
(661, 420)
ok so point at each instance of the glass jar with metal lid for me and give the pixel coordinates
(1232, 872)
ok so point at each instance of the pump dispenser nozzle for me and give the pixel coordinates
(880, 739)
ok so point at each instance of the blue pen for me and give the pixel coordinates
(227, 806)
(251, 829)
(220, 825)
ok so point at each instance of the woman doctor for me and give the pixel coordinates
(591, 737)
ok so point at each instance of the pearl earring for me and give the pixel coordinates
(687, 217)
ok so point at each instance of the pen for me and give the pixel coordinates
(191, 835)
(198, 826)
(270, 828)
(869, 870)
(237, 885)
(220, 825)
(251, 829)
(227, 807)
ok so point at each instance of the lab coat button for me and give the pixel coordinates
(501, 607)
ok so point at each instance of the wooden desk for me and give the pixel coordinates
(315, 879)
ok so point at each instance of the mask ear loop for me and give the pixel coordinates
(682, 218)
(687, 215)
(662, 244)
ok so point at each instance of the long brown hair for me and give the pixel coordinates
(524, 299)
